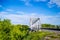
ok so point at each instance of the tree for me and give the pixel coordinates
(48, 26)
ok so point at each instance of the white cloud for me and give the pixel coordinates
(3, 13)
(20, 12)
(50, 19)
(24, 19)
(57, 2)
(27, 2)
(9, 10)
(51, 3)
(17, 19)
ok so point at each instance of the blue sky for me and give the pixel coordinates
(20, 11)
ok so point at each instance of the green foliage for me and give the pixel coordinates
(18, 32)
(12, 32)
(50, 26)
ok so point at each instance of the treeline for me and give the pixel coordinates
(9, 31)
(50, 26)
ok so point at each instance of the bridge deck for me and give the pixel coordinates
(51, 30)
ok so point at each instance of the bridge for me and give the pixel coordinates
(35, 24)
